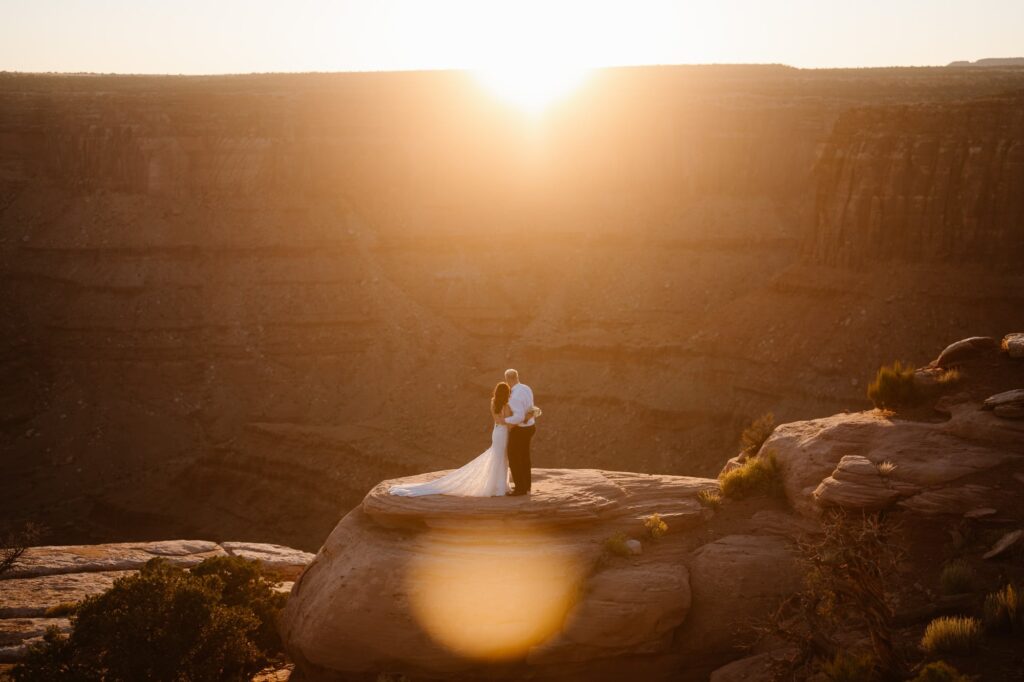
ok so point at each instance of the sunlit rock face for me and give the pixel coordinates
(951, 455)
(219, 291)
(507, 588)
(930, 182)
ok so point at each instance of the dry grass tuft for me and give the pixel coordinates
(756, 433)
(957, 577)
(712, 499)
(894, 387)
(655, 526)
(885, 468)
(616, 545)
(952, 635)
(1004, 610)
(759, 475)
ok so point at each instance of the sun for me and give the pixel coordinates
(532, 88)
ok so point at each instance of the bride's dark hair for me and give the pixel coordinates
(500, 397)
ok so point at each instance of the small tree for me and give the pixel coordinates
(15, 542)
(848, 584)
(166, 624)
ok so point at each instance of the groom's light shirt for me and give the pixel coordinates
(520, 400)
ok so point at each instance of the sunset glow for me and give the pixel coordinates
(531, 88)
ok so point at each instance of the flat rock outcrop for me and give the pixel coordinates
(510, 588)
(45, 580)
(943, 459)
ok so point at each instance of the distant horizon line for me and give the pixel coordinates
(469, 69)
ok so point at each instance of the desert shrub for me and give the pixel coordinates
(756, 433)
(710, 498)
(65, 608)
(655, 526)
(616, 545)
(846, 667)
(949, 377)
(894, 387)
(940, 671)
(849, 586)
(165, 623)
(957, 577)
(245, 586)
(1004, 610)
(952, 635)
(759, 475)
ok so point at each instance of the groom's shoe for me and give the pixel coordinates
(517, 493)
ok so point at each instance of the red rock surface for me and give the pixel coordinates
(234, 304)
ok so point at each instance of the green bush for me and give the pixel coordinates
(1004, 610)
(940, 671)
(756, 433)
(166, 624)
(894, 387)
(759, 475)
(957, 577)
(850, 668)
(952, 635)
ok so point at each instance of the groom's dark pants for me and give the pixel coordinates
(519, 456)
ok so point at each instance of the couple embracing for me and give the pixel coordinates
(488, 475)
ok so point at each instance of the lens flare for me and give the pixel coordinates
(492, 594)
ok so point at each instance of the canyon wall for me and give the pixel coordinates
(923, 183)
(233, 304)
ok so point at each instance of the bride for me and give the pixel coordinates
(485, 476)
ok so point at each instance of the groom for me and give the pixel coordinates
(521, 401)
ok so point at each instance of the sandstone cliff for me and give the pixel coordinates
(531, 588)
(923, 183)
(234, 304)
(507, 588)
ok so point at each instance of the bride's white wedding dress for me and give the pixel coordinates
(486, 476)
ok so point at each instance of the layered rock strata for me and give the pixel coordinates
(46, 580)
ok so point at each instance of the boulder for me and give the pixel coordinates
(1013, 344)
(926, 454)
(964, 349)
(856, 483)
(516, 588)
(1007, 405)
(957, 500)
(736, 580)
(771, 522)
(1004, 543)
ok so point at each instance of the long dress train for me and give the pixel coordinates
(485, 476)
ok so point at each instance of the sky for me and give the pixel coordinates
(236, 36)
